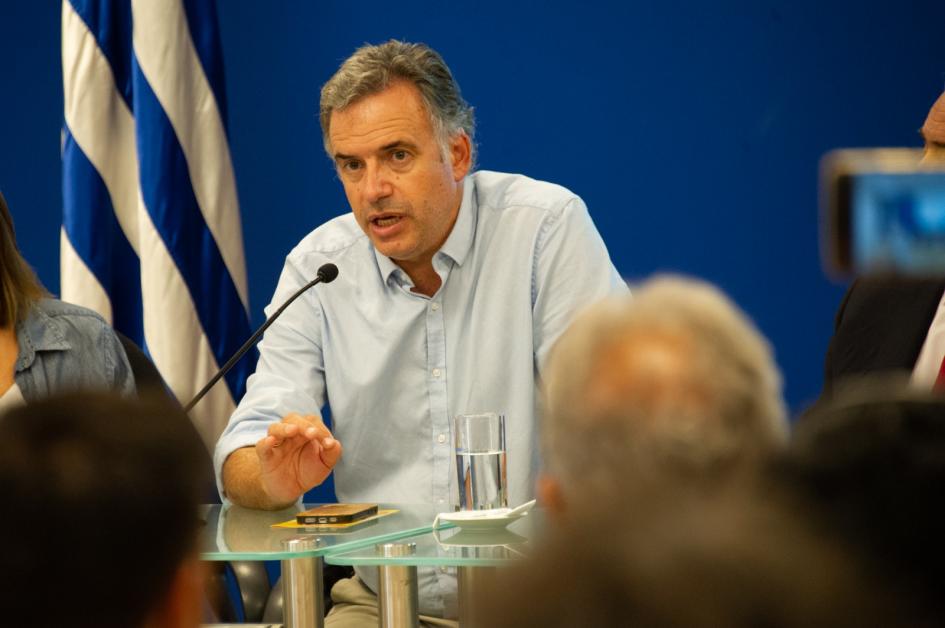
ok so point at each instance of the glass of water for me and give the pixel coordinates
(479, 440)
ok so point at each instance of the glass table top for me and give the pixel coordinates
(454, 547)
(237, 533)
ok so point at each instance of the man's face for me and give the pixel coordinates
(404, 193)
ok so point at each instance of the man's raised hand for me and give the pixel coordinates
(297, 454)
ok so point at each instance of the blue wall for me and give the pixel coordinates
(692, 131)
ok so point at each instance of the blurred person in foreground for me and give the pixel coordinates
(674, 557)
(892, 324)
(48, 346)
(869, 465)
(674, 381)
(100, 520)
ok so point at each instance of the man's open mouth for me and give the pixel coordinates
(385, 221)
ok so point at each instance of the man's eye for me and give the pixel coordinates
(399, 155)
(350, 166)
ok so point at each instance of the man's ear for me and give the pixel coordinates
(182, 607)
(460, 155)
(550, 495)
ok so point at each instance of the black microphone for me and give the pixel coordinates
(326, 274)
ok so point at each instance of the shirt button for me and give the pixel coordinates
(436, 372)
(441, 438)
(435, 307)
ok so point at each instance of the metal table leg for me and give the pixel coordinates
(303, 596)
(470, 582)
(398, 598)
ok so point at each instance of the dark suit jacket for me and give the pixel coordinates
(880, 326)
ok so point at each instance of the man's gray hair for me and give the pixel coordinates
(672, 378)
(371, 69)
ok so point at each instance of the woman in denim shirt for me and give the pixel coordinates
(47, 346)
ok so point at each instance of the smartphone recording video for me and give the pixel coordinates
(882, 212)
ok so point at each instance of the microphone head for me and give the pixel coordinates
(327, 273)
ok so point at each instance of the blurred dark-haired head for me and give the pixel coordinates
(19, 287)
(870, 466)
(101, 499)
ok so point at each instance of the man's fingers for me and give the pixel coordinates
(292, 434)
(265, 446)
(309, 425)
(281, 434)
(331, 452)
(282, 431)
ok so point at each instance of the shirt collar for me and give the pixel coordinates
(386, 264)
(458, 243)
(38, 332)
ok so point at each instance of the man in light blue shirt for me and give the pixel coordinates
(452, 288)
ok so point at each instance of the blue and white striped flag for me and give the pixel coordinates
(151, 234)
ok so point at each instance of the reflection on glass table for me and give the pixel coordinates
(476, 552)
(237, 533)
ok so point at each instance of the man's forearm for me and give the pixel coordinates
(242, 481)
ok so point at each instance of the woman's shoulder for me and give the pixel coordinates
(51, 322)
(77, 347)
(56, 309)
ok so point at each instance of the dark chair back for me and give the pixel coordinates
(148, 379)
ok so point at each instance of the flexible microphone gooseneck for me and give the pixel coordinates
(326, 274)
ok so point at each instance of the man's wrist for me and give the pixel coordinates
(243, 484)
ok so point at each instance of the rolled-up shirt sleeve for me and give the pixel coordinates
(290, 374)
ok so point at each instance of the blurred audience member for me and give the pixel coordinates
(871, 464)
(100, 520)
(894, 324)
(48, 346)
(675, 379)
(677, 558)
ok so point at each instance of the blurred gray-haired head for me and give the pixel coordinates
(674, 378)
(371, 69)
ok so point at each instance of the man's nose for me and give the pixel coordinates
(376, 184)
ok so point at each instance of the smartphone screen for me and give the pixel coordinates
(897, 222)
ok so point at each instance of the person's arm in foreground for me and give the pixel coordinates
(276, 446)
